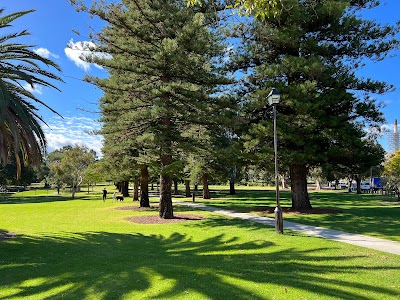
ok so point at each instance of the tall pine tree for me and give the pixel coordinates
(165, 73)
(311, 53)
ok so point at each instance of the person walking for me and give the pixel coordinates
(104, 194)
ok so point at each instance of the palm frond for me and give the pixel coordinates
(20, 129)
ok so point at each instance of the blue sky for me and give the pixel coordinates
(52, 28)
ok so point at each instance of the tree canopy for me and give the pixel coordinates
(310, 53)
(68, 166)
(165, 75)
(170, 74)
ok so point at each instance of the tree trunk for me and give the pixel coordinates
(232, 180)
(318, 185)
(283, 181)
(350, 185)
(125, 188)
(232, 186)
(300, 198)
(187, 188)
(176, 192)
(165, 208)
(73, 190)
(135, 190)
(358, 181)
(206, 191)
(194, 193)
(144, 186)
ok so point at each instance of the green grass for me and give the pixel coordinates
(369, 214)
(86, 249)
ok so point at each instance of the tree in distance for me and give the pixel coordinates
(68, 166)
(392, 173)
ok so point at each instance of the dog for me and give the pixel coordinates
(120, 198)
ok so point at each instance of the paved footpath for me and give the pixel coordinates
(340, 236)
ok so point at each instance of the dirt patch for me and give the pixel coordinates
(289, 210)
(155, 219)
(136, 208)
(7, 235)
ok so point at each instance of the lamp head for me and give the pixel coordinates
(274, 97)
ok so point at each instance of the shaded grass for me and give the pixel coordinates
(85, 249)
(369, 214)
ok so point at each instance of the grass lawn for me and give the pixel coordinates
(369, 214)
(86, 249)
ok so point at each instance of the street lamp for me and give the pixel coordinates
(273, 98)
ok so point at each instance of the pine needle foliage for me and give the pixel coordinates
(165, 64)
(311, 53)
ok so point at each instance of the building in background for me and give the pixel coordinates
(393, 138)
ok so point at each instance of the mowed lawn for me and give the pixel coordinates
(87, 249)
(370, 214)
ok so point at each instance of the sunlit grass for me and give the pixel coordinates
(86, 249)
(370, 214)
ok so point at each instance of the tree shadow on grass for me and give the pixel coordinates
(42, 199)
(318, 198)
(364, 213)
(104, 265)
(256, 195)
(383, 221)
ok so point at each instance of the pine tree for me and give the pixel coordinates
(164, 76)
(310, 53)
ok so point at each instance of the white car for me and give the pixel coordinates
(365, 186)
(343, 184)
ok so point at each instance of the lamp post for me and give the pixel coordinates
(273, 99)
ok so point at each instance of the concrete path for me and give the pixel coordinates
(340, 236)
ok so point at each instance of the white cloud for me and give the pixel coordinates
(387, 127)
(72, 131)
(77, 51)
(36, 89)
(45, 53)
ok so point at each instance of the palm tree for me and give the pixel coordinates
(20, 129)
